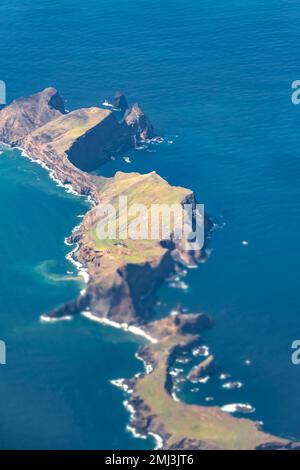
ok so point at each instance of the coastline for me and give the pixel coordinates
(121, 326)
(124, 386)
(82, 271)
(121, 279)
(51, 173)
(104, 321)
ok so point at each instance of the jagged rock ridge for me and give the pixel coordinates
(24, 115)
(139, 123)
(123, 277)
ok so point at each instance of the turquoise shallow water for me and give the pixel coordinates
(55, 389)
(218, 76)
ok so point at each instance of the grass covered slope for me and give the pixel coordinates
(140, 189)
(124, 272)
(177, 422)
(61, 132)
(86, 137)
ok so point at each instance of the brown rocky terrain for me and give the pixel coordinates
(179, 425)
(70, 144)
(140, 124)
(24, 115)
(124, 274)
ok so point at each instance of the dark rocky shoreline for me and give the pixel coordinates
(124, 278)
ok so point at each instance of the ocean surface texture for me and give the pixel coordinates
(215, 78)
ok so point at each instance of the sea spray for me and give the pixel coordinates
(123, 326)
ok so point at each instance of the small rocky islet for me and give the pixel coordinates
(123, 278)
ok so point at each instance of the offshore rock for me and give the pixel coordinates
(139, 123)
(120, 101)
(205, 368)
(186, 426)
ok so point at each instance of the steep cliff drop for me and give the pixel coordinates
(120, 102)
(124, 277)
(24, 115)
(139, 123)
(124, 274)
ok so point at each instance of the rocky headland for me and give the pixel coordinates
(124, 275)
(182, 426)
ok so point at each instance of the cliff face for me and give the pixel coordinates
(81, 140)
(120, 101)
(52, 142)
(88, 137)
(139, 123)
(125, 273)
(90, 151)
(68, 144)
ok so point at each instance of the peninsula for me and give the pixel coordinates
(123, 276)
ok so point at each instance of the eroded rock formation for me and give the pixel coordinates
(120, 101)
(139, 123)
(124, 274)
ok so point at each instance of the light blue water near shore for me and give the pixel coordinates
(55, 389)
(218, 76)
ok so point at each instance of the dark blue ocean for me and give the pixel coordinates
(215, 78)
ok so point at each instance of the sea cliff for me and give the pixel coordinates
(124, 275)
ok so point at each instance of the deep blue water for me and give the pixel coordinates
(217, 75)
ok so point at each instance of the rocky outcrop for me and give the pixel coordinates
(180, 324)
(24, 115)
(85, 137)
(123, 293)
(179, 425)
(88, 137)
(120, 101)
(51, 143)
(71, 308)
(126, 273)
(191, 444)
(139, 123)
(206, 367)
(279, 445)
